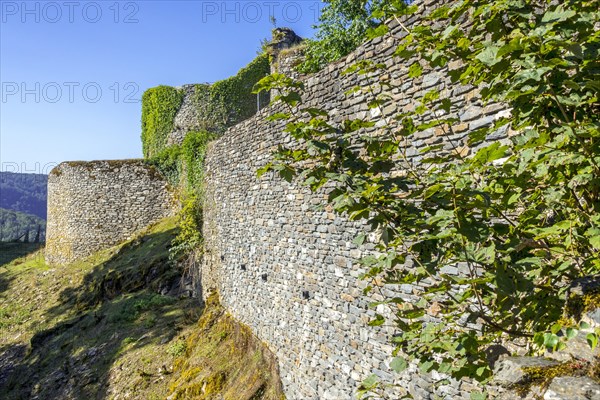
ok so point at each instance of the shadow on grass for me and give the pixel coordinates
(131, 304)
(8, 253)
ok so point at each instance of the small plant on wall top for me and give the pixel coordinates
(520, 219)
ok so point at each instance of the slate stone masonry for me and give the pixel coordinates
(94, 205)
(287, 267)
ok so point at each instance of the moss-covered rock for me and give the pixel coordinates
(583, 300)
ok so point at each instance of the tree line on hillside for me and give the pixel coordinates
(17, 226)
(26, 193)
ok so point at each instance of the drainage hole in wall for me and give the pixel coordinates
(305, 295)
(243, 267)
(264, 277)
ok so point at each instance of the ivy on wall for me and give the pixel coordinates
(159, 107)
(183, 166)
(234, 95)
(220, 105)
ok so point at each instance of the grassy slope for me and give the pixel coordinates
(12, 251)
(99, 329)
(222, 358)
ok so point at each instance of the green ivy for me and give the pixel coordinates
(220, 105)
(183, 166)
(159, 107)
(193, 151)
(234, 95)
(168, 162)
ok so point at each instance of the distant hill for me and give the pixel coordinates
(14, 225)
(26, 193)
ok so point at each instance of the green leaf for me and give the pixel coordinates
(593, 235)
(538, 338)
(398, 364)
(513, 45)
(370, 383)
(592, 340)
(377, 321)
(261, 171)
(360, 239)
(489, 56)
(286, 172)
(426, 366)
(534, 74)
(431, 190)
(490, 153)
(381, 30)
(556, 328)
(584, 325)
(279, 117)
(559, 14)
(550, 340)
(415, 70)
(513, 198)
(478, 396)
(292, 98)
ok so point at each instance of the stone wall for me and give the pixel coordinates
(287, 51)
(94, 205)
(202, 110)
(197, 113)
(287, 267)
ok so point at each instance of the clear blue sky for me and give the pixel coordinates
(54, 56)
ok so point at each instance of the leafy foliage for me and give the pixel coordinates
(168, 162)
(193, 151)
(343, 26)
(220, 105)
(234, 95)
(519, 220)
(159, 107)
(183, 167)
